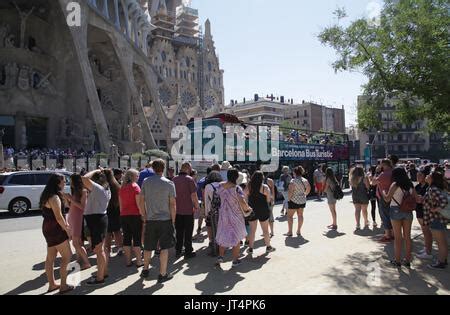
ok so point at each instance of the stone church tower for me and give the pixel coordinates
(190, 79)
(131, 71)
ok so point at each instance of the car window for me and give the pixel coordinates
(67, 176)
(42, 179)
(2, 179)
(21, 179)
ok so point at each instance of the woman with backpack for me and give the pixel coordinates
(299, 188)
(212, 205)
(436, 199)
(360, 195)
(401, 191)
(332, 189)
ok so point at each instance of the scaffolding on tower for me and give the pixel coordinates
(201, 76)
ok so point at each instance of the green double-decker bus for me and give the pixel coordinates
(250, 145)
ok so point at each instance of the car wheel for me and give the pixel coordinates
(19, 206)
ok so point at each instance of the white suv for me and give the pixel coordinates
(21, 191)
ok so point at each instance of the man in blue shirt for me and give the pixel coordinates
(145, 173)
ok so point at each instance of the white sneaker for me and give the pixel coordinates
(424, 255)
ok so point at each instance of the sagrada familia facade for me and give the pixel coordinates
(125, 75)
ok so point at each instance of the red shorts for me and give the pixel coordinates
(319, 187)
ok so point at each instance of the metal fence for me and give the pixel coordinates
(74, 163)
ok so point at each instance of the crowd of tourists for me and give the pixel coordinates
(146, 213)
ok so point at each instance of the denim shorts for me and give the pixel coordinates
(438, 225)
(397, 215)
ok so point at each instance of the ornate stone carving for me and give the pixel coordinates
(11, 71)
(114, 152)
(23, 82)
(137, 134)
(25, 78)
(165, 95)
(107, 102)
(23, 23)
(45, 86)
(4, 31)
(187, 99)
(10, 41)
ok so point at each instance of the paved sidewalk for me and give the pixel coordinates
(322, 263)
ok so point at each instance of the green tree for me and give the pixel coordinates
(286, 124)
(404, 55)
(156, 153)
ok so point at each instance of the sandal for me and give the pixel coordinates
(94, 281)
(288, 234)
(69, 288)
(384, 239)
(54, 289)
(94, 275)
(395, 264)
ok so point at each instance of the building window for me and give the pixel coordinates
(305, 113)
(163, 56)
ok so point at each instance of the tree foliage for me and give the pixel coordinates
(156, 153)
(405, 55)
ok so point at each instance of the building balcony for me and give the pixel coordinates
(257, 115)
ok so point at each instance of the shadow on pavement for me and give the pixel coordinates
(295, 242)
(138, 288)
(30, 285)
(333, 234)
(368, 232)
(372, 272)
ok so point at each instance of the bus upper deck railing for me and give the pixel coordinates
(287, 134)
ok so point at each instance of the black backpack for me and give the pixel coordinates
(215, 201)
(338, 194)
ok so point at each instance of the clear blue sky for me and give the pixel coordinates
(272, 47)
